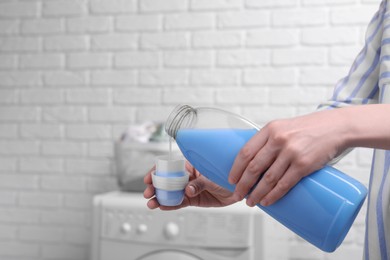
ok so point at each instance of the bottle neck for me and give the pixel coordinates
(182, 116)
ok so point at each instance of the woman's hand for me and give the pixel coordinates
(283, 152)
(199, 192)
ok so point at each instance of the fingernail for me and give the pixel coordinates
(192, 190)
(250, 203)
(264, 203)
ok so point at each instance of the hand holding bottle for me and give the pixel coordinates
(284, 152)
(320, 208)
(199, 192)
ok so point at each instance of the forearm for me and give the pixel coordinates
(366, 126)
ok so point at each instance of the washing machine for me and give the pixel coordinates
(125, 229)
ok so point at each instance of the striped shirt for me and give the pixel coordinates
(368, 83)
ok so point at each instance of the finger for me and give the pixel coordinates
(195, 187)
(148, 176)
(149, 191)
(189, 167)
(288, 180)
(268, 181)
(191, 171)
(153, 203)
(245, 155)
(255, 168)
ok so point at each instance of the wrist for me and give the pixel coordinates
(365, 126)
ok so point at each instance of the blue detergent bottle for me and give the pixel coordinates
(320, 208)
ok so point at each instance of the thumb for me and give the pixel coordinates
(195, 187)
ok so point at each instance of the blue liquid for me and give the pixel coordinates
(320, 208)
(169, 197)
(170, 174)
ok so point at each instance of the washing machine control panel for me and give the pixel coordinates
(211, 227)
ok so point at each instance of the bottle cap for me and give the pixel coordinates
(170, 180)
(170, 183)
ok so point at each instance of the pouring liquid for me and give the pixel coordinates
(320, 208)
(170, 148)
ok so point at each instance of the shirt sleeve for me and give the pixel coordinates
(360, 86)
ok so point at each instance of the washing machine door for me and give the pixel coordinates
(169, 255)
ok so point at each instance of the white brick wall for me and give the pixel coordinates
(75, 73)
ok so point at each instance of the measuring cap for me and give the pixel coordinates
(169, 180)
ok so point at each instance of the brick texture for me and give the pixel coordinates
(75, 73)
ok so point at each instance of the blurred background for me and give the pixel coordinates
(74, 74)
